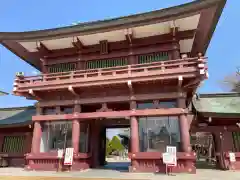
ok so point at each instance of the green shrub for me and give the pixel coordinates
(116, 144)
(108, 147)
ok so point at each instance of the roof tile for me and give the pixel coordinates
(218, 103)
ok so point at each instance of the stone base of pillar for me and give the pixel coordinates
(184, 166)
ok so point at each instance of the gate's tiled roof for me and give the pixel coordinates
(16, 116)
(228, 103)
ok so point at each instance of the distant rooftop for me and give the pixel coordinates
(3, 93)
(17, 116)
(222, 103)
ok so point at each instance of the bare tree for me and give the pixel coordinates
(232, 82)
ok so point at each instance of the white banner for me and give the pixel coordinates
(68, 159)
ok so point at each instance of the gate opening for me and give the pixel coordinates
(204, 146)
(116, 149)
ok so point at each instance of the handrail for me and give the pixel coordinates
(129, 69)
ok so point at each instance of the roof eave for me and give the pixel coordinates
(219, 114)
(23, 124)
(117, 23)
(201, 42)
(214, 95)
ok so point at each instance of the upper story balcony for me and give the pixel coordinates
(186, 70)
(117, 53)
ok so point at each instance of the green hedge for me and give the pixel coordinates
(113, 145)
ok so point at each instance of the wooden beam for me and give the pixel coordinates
(71, 89)
(112, 114)
(77, 44)
(103, 47)
(43, 49)
(104, 108)
(130, 86)
(116, 46)
(195, 82)
(137, 97)
(33, 94)
(143, 156)
(115, 54)
(215, 128)
(129, 36)
(180, 80)
(174, 31)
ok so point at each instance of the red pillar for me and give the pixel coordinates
(184, 128)
(27, 145)
(184, 133)
(94, 139)
(185, 136)
(134, 135)
(176, 50)
(1, 141)
(36, 140)
(43, 66)
(75, 135)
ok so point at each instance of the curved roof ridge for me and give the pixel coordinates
(190, 7)
(17, 108)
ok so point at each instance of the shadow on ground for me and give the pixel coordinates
(117, 166)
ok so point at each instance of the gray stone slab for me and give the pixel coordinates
(113, 174)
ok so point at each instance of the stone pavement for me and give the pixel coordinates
(105, 174)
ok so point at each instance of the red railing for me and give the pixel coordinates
(126, 71)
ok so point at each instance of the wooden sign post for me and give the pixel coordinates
(60, 157)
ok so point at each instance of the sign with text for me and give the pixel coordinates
(68, 159)
(232, 157)
(172, 150)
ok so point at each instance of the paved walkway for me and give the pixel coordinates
(105, 174)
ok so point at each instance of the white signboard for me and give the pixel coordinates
(60, 153)
(172, 150)
(170, 158)
(68, 159)
(232, 157)
(167, 158)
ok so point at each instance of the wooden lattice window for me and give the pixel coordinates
(13, 144)
(153, 57)
(236, 141)
(62, 67)
(105, 63)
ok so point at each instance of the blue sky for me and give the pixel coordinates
(24, 15)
